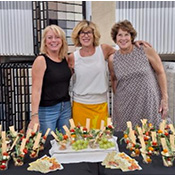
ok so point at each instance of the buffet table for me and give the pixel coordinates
(155, 168)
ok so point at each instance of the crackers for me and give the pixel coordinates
(120, 161)
(45, 165)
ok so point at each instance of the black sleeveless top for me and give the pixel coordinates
(56, 80)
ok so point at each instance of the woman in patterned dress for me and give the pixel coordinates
(138, 80)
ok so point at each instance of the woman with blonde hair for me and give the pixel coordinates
(51, 106)
(89, 64)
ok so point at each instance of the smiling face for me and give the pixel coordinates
(53, 41)
(123, 39)
(86, 37)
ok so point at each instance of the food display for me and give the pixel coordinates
(16, 145)
(168, 155)
(4, 158)
(4, 150)
(110, 162)
(147, 141)
(35, 149)
(45, 165)
(82, 138)
(19, 153)
(82, 142)
(43, 140)
(121, 161)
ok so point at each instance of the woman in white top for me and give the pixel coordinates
(89, 64)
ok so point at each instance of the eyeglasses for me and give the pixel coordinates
(86, 33)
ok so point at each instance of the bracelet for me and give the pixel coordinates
(34, 114)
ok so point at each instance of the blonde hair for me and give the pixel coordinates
(82, 25)
(125, 26)
(57, 31)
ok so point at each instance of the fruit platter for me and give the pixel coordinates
(83, 144)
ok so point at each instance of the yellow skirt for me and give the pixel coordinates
(95, 112)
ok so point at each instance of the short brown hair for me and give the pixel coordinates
(84, 25)
(58, 31)
(125, 26)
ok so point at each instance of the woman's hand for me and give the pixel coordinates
(34, 120)
(163, 108)
(141, 42)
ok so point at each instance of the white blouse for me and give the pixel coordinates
(91, 78)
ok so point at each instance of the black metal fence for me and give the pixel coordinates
(15, 91)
